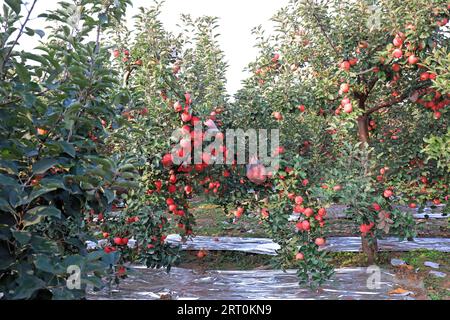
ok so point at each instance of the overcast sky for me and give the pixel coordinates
(237, 18)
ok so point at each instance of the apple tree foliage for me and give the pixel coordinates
(362, 90)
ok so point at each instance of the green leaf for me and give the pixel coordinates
(8, 181)
(29, 220)
(22, 236)
(40, 244)
(40, 33)
(110, 196)
(42, 166)
(27, 285)
(36, 193)
(68, 148)
(62, 294)
(15, 5)
(22, 72)
(46, 211)
(44, 263)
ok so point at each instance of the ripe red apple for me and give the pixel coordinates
(306, 225)
(308, 212)
(397, 41)
(322, 212)
(301, 108)
(188, 189)
(41, 132)
(105, 235)
(412, 205)
(319, 241)
(348, 108)
(299, 256)
(397, 53)
(264, 213)
(353, 61)
(298, 200)
(345, 87)
(376, 206)
(275, 58)
(186, 117)
(424, 76)
(305, 182)
(277, 115)
(278, 151)
(412, 59)
(387, 193)
(167, 160)
(437, 115)
(396, 67)
(117, 241)
(345, 65)
(299, 209)
(177, 106)
(116, 53)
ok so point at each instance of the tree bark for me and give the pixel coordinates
(370, 248)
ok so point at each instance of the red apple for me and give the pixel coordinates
(298, 200)
(412, 59)
(319, 241)
(397, 41)
(308, 212)
(387, 193)
(345, 87)
(278, 116)
(348, 108)
(299, 256)
(397, 53)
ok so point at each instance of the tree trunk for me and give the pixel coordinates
(370, 248)
(363, 128)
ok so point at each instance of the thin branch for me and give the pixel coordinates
(22, 27)
(394, 101)
(330, 42)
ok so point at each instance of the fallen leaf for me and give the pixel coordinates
(398, 291)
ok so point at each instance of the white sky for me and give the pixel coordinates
(237, 18)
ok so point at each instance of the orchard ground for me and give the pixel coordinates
(212, 221)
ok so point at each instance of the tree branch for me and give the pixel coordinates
(330, 42)
(394, 101)
(22, 27)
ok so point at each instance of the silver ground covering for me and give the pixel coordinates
(337, 211)
(336, 244)
(185, 284)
